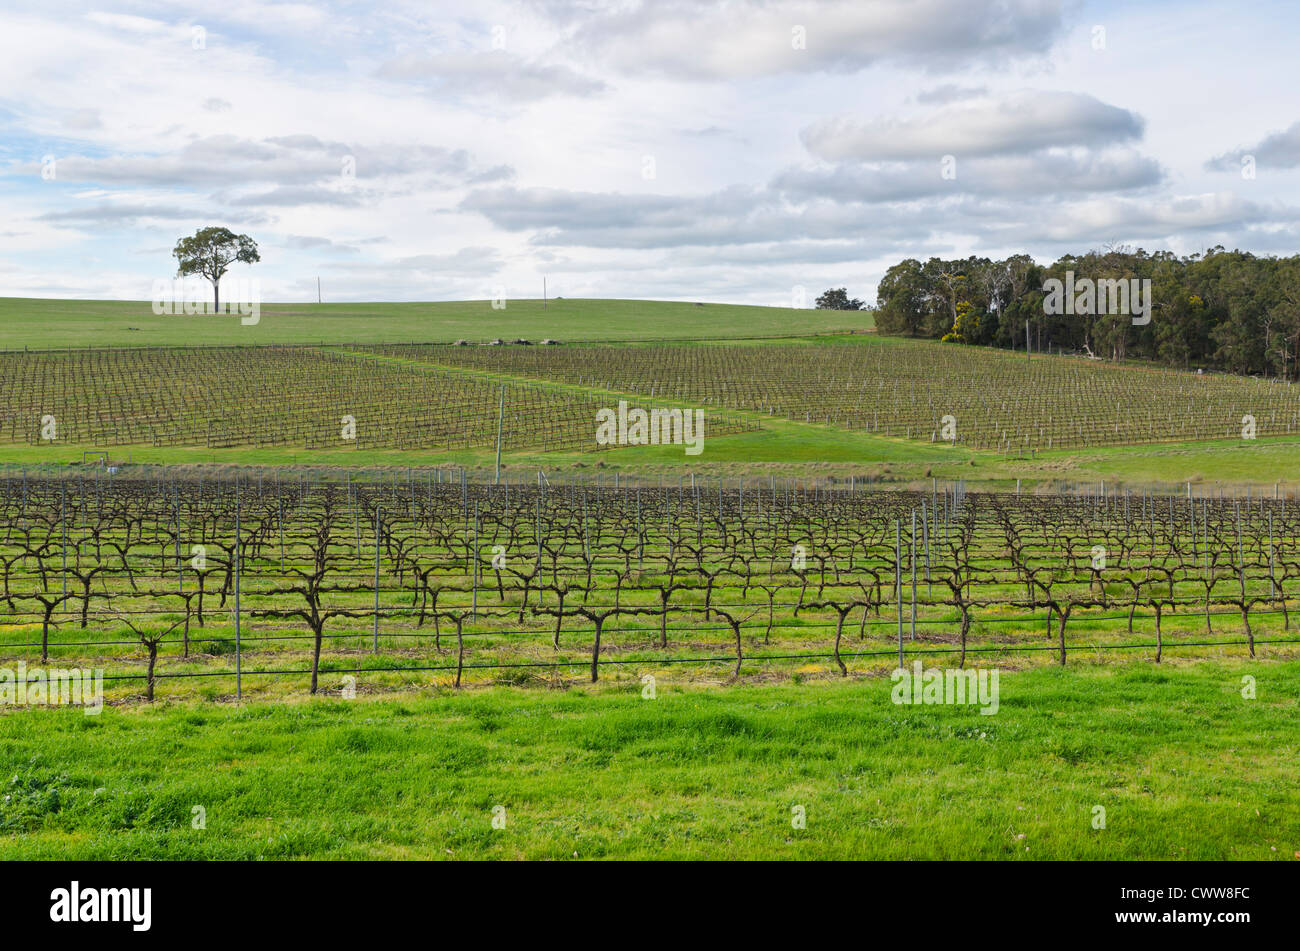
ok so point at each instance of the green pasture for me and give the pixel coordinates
(48, 323)
(1183, 766)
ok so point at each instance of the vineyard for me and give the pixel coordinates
(902, 388)
(180, 587)
(284, 396)
(546, 398)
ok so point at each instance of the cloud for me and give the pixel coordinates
(494, 72)
(1279, 150)
(128, 22)
(710, 41)
(1020, 123)
(475, 167)
(284, 171)
(302, 242)
(942, 95)
(1048, 172)
(125, 214)
(734, 215)
(1136, 219)
(82, 120)
(741, 223)
(295, 195)
(473, 260)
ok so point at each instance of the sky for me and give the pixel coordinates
(746, 152)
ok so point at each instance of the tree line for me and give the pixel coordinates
(1227, 310)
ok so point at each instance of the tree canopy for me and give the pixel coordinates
(209, 252)
(837, 298)
(1227, 310)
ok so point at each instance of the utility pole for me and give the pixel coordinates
(543, 292)
(318, 290)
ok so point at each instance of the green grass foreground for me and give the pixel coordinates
(1184, 766)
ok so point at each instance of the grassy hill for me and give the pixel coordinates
(41, 323)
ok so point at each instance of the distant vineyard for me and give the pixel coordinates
(433, 581)
(281, 396)
(904, 388)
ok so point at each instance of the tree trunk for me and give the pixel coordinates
(965, 628)
(839, 632)
(460, 648)
(153, 660)
(735, 629)
(595, 649)
(1065, 616)
(315, 658)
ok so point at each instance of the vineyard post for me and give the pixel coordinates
(376, 628)
(474, 607)
(538, 538)
(1272, 583)
(925, 535)
(280, 502)
(1241, 560)
(898, 585)
(180, 572)
(912, 542)
(239, 668)
(63, 523)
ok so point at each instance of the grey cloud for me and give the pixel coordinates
(1020, 123)
(127, 214)
(736, 221)
(1279, 150)
(497, 173)
(1126, 220)
(746, 39)
(473, 260)
(228, 161)
(470, 261)
(942, 95)
(1040, 173)
(736, 215)
(300, 242)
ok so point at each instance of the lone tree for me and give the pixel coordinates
(837, 298)
(210, 252)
